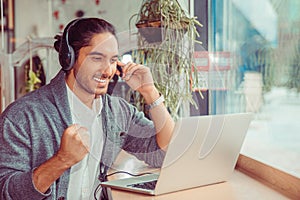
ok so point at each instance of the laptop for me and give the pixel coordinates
(203, 151)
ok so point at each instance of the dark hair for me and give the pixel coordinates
(81, 32)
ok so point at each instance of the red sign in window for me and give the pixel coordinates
(212, 70)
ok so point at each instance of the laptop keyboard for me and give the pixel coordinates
(150, 185)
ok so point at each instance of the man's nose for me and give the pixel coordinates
(108, 67)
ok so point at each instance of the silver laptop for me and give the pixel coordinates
(203, 151)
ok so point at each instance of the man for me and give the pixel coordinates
(58, 141)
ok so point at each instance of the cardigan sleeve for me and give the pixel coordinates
(141, 141)
(15, 164)
(129, 129)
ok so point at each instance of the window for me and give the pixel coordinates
(262, 39)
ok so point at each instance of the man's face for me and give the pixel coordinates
(95, 66)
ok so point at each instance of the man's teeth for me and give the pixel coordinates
(99, 80)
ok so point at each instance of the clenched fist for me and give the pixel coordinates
(75, 144)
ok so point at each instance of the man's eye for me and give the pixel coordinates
(114, 61)
(97, 59)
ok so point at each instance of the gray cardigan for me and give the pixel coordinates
(31, 128)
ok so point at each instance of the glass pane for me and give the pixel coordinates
(262, 37)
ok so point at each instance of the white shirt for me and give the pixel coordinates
(84, 175)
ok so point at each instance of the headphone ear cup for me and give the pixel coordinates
(66, 56)
(71, 57)
(66, 52)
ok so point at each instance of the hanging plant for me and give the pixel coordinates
(33, 71)
(167, 37)
(33, 81)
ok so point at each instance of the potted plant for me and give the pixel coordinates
(166, 41)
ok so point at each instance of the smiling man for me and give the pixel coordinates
(58, 141)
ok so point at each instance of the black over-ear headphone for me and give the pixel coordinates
(66, 51)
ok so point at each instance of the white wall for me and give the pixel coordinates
(33, 17)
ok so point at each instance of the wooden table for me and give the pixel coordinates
(240, 186)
